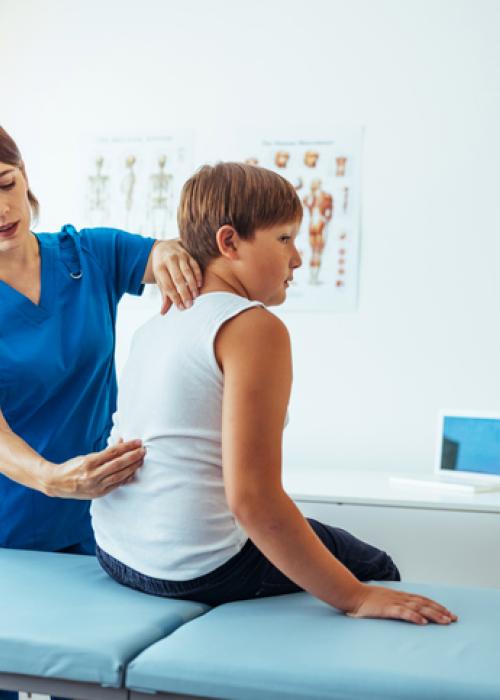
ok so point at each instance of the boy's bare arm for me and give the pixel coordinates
(254, 352)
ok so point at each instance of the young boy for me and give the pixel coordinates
(207, 390)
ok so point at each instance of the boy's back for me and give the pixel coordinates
(174, 522)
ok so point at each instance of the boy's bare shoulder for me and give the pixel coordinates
(251, 330)
(255, 322)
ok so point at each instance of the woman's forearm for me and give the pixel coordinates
(19, 461)
(283, 535)
(82, 477)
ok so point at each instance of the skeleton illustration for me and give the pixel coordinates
(98, 188)
(128, 187)
(159, 198)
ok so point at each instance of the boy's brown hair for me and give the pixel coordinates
(243, 196)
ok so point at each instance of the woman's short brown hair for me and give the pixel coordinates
(11, 155)
(243, 196)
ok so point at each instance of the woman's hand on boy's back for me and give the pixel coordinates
(95, 474)
(376, 601)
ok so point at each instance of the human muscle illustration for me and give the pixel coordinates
(341, 163)
(281, 159)
(320, 207)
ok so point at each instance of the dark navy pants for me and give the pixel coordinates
(250, 575)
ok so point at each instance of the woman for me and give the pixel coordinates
(58, 300)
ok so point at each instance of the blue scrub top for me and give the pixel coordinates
(57, 372)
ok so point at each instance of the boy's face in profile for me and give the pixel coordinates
(267, 261)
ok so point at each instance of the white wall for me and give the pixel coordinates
(423, 76)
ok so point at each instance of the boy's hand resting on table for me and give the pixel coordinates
(376, 601)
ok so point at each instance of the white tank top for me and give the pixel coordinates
(173, 522)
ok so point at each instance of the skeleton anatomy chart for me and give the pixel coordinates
(135, 185)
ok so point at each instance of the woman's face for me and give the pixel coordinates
(15, 210)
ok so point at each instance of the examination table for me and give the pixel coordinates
(67, 629)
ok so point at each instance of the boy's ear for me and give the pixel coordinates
(227, 242)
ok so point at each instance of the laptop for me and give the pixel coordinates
(467, 455)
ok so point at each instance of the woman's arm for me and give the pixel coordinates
(83, 477)
(253, 350)
(175, 272)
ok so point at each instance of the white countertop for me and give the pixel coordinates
(375, 488)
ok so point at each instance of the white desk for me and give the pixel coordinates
(446, 537)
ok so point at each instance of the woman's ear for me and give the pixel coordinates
(227, 242)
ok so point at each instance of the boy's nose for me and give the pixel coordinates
(296, 260)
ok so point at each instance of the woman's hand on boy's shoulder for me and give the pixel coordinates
(176, 273)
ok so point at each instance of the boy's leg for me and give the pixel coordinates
(249, 574)
(366, 562)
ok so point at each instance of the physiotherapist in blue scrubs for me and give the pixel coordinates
(58, 302)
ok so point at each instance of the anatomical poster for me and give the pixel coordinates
(326, 175)
(134, 184)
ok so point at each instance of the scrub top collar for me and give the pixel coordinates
(37, 313)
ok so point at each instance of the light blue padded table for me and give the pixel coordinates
(297, 648)
(66, 628)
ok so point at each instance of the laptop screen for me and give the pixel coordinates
(471, 445)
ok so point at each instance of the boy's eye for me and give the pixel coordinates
(285, 239)
(8, 185)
